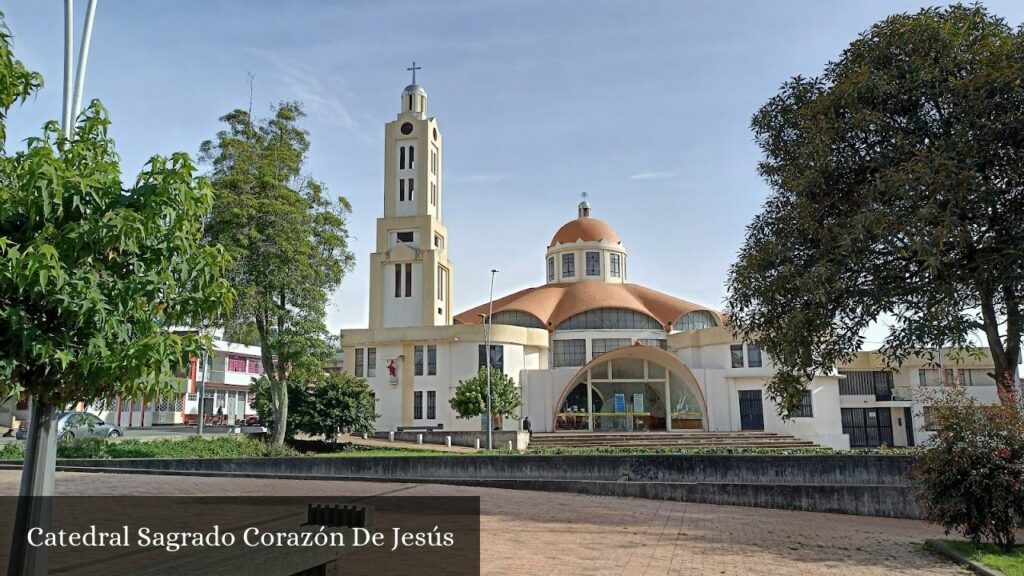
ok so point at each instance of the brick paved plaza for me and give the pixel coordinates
(537, 533)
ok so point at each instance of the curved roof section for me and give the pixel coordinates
(554, 303)
(586, 229)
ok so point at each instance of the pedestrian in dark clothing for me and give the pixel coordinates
(528, 426)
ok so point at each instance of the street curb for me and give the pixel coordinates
(940, 547)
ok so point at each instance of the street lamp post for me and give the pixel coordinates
(487, 351)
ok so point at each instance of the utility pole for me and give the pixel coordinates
(487, 351)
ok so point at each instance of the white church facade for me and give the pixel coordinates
(589, 349)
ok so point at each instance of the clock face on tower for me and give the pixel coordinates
(407, 128)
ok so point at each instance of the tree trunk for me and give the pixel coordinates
(1004, 356)
(35, 501)
(280, 388)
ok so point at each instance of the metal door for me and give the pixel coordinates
(751, 410)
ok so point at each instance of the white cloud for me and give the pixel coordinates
(301, 83)
(653, 175)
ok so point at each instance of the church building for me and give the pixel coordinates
(591, 350)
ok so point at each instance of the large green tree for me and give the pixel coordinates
(93, 273)
(897, 182)
(470, 399)
(287, 237)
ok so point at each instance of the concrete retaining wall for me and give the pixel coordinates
(865, 485)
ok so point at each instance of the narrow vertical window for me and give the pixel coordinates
(736, 353)
(431, 360)
(417, 405)
(440, 283)
(551, 269)
(593, 263)
(359, 362)
(753, 356)
(401, 157)
(615, 266)
(398, 280)
(410, 189)
(410, 102)
(418, 360)
(431, 405)
(408, 280)
(371, 362)
(568, 265)
(412, 157)
(401, 189)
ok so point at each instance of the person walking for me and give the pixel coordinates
(528, 426)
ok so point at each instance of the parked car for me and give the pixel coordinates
(73, 425)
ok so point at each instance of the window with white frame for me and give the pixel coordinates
(359, 372)
(615, 266)
(805, 409)
(568, 353)
(371, 362)
(600, 346)
(551, 268)
(593, 263)
(736, 354)
(417, 360)
(568, 265)
(753, 356)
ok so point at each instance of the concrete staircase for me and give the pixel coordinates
(667, 440)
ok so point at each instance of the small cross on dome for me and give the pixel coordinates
(584, 206)
(414, 68)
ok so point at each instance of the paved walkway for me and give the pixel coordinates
(552, 534)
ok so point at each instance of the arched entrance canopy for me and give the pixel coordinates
(633, 389)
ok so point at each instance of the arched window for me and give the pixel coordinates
(517, 318)
(695, 321)
(611, 319)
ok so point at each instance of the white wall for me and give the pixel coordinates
(399, 312)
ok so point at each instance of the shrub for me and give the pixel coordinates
(971, 475)
(336, 404)
(191, 447)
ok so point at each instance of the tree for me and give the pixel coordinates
(470, 398)
(288, 241)
(93, 274)
(321, 404)
(897, 183)
(337, 404)
(971, 477)
(263, 401)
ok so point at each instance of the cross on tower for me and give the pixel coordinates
(583, 195)
(414, 68)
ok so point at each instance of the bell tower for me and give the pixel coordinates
(411, 275)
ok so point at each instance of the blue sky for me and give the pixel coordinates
(645, 105)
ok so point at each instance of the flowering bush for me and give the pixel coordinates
(971, 477)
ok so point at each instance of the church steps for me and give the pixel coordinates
(668, 440)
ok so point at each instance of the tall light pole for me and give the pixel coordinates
(487, 351)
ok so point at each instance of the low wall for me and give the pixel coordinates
(520, 440)
(864, 485)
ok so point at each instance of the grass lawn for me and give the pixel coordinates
(1010, 564)
(196, 447)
